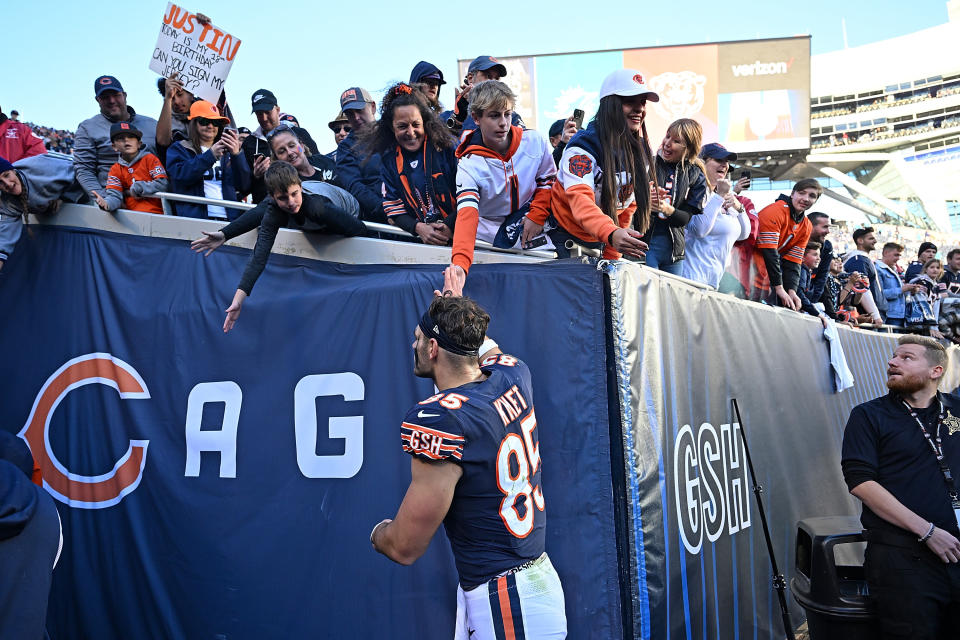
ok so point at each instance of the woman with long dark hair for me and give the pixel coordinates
(418, 165)
(603, 181)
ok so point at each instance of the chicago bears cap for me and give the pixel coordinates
(106, 83)
(626, 83)
(354, 98)
(716, 151)
(482, 63)
(119, 128)
(262, 100)
(290, 119)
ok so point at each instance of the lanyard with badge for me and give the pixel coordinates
(936, 445)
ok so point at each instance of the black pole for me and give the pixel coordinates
(779, 582)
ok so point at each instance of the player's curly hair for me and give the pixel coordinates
(462, 319)
(379, 137)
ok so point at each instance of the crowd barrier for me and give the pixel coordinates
(697, 560)
(224, 486)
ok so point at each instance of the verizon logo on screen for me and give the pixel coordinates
(760, 68)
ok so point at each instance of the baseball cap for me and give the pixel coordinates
(716, 151)
(204, 109)
(926, 245)
(557, 127)
(354, 98)
(106, 83)
(290, 118)
(262, 100)
(118, 128)
(626, 83)
(482, 63)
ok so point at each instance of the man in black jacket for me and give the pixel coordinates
(819, 228)
(898, 454)
(927, 251)
(255, 147)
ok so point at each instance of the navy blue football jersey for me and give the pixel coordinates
(497, 519)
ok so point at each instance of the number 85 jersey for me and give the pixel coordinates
(497, 518)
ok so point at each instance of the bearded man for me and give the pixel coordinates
(898, 453)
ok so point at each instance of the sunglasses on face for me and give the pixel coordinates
(342, 128)
(205, 122)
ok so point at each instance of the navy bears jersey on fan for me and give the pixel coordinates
(497, 519)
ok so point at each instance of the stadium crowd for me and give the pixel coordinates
(452, 177)
(57, 140)
(890, 100)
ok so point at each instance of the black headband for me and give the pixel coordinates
(432, 330)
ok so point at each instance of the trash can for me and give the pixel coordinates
(830, 582)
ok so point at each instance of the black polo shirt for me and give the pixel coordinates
(882, 442)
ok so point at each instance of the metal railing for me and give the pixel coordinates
(373, 227)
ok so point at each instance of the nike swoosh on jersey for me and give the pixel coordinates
(421, 414)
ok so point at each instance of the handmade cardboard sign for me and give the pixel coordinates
(200, 54)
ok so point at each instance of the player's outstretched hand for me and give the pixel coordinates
(233, 311)
(454, 278)
(208, 243)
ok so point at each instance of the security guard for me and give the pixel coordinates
(899, 455)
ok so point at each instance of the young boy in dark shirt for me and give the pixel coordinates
(289, 206)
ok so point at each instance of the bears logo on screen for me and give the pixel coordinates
(580, 165)
(681, 94)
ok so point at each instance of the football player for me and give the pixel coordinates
(475, 466)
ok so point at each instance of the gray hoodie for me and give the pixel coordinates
(93, 152)
(140, 189)
(46, 178)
